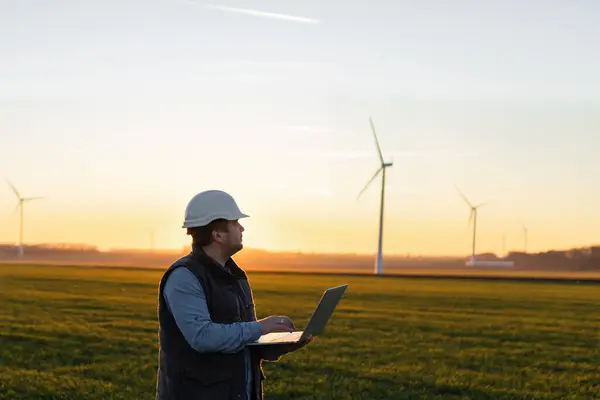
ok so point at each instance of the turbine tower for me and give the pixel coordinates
(382, 167)
(20, 206)
(524, 238)
(472, 217)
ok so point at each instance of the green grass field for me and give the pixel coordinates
(91, 333)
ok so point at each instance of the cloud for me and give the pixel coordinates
(402, 189)
(263, 14)
(260, 65)
(279, 64)
(286, 72)
(320, 192)
(306, 191)
(386, 155)
(310, 129)
(270, 66)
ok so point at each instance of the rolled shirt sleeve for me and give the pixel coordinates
(186, 300)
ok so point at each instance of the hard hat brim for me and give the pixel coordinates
(207, 220)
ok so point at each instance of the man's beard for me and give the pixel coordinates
(235, 248)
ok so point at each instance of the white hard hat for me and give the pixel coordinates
(209, 205)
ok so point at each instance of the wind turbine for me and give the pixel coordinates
(524, 238)
(383, 166)
(472, 217)
(20, 205)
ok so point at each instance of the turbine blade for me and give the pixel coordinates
(376, 141)
(368, 183)
(482, 204)
(16, 208)
(14, 189)
(463, 196)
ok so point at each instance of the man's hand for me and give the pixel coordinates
(276, 323)
(274, 352)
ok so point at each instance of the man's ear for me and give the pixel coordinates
(217, 235)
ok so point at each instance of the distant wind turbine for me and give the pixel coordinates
(472, 217)
(524, 238)
(383, 166)
(20, 206)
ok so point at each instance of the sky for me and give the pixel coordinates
(118, 112)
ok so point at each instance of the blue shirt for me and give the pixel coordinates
(186, 300)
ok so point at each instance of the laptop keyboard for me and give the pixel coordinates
(284, 336)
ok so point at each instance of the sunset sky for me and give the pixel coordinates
(118, 112)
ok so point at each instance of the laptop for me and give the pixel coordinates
(316, 324)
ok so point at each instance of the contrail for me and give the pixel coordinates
(263, 14)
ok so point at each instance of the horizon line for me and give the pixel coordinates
(102, 249)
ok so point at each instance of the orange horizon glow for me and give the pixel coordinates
(435, 237)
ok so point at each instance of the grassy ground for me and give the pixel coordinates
(87, 333)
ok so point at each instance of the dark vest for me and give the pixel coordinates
(185, 374)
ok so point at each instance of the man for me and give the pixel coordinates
(206, 313)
